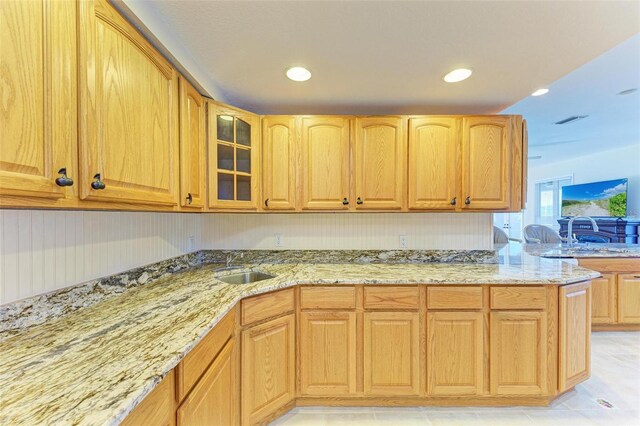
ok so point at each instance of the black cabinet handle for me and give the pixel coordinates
(266, 202)
(345, 201)
(467, 200)
(97, 184)
(189, 198)
(359, 201)
(64, 180)
(454, 200)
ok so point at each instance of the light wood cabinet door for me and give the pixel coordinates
(455, 363)
(268, 368)
(433, 163)
(234, 156)
(158, 408)
(603, 299)
(574, 335)
(518, 353)
(215, 398)
(380, 157)
(629, 298)
(279, 161)
(486, 162)
(192, 146)
(128, 113)
(392, 353)
(325, 163)
(38, 85)
(327, 353)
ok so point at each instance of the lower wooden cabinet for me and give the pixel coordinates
(392, 353)
(518, 347)
(603, 307)
(629, 298)
(574, 335)
(268, 368)
(215, 398)
(158, 408)
(615, 298)
(327, 353)
(455, 348)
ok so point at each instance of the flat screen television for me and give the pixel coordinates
(607, 198)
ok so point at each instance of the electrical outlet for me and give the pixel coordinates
(191, 243)
(278, 240)
(404, 241)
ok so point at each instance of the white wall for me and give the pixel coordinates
(604, 165)
(348, 231)
(41, 251)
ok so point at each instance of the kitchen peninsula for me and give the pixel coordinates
(345, 333)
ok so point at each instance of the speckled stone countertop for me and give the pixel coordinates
(579, 251)
(92, 366)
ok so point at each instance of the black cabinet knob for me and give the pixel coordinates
(454, 200)
(189, 198)
(359, 201)
(64, 180)
(98, 184)
(467, 200)
(266, 202)
(345, 201)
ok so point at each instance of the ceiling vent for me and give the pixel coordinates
(571, 119)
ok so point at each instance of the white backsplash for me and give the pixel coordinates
(41, 251)
(348, 231)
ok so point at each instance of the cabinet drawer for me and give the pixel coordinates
(196, 362)
(391, 297)
(518, 298)
(268, 305)
(454, 297)
(336, 297)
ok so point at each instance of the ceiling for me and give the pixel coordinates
(613, 120)
(390, 56)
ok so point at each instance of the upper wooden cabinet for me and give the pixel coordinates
(486, 162)
(128, 112)
(38, 120)
(433, 163)
(233, 141)
(279, 163)
(325, 163)
(192, 147)
(380, 157)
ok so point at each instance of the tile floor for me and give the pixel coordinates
(615, 377)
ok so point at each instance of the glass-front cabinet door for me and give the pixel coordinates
(233, 153)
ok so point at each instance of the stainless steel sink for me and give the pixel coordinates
(247, 277)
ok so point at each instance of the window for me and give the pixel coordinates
(549, 200)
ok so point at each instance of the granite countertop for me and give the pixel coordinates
(582, 250)
(95, 364)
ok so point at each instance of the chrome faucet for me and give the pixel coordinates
(570, 239)
(232, 257)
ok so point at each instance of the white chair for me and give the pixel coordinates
(541, 234)
(501, 237)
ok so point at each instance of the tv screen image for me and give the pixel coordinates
(607, 198)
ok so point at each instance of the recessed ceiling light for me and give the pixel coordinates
(298, 74)
(628, 91)
(457, 75)
(540, 92)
